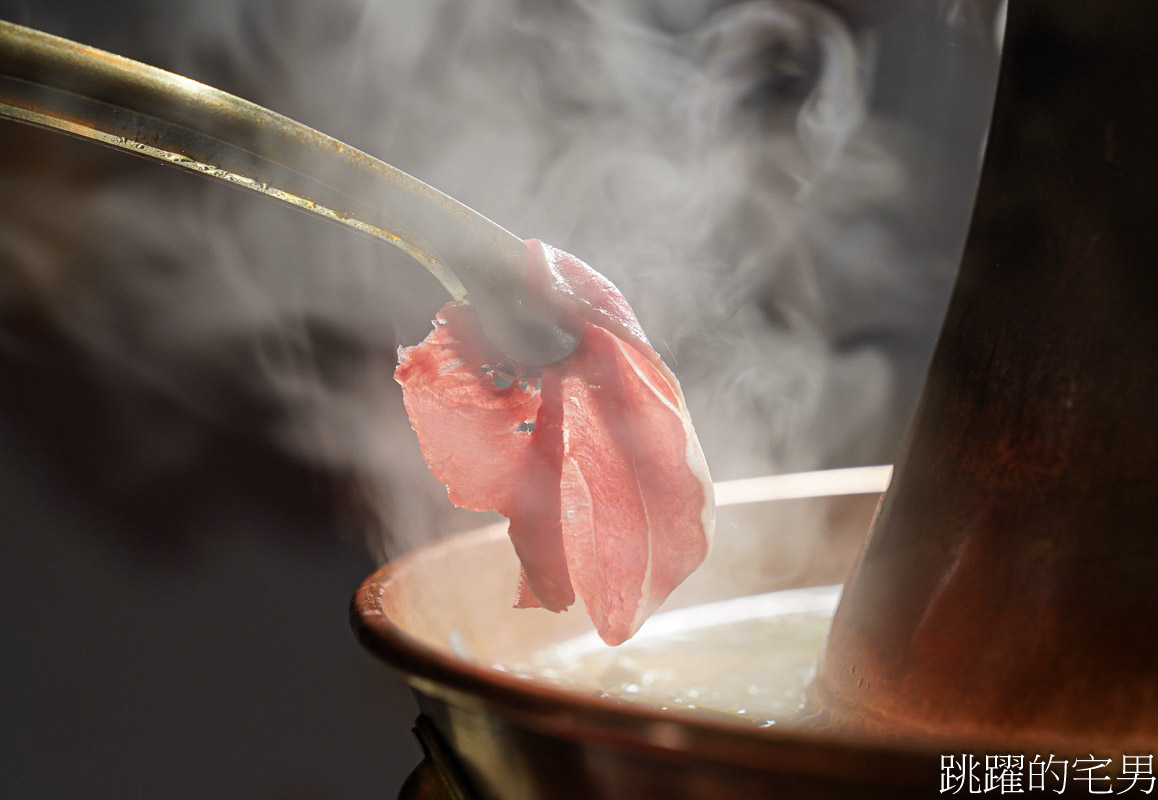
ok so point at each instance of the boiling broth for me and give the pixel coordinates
(751, 658)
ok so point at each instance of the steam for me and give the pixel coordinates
(727, 165)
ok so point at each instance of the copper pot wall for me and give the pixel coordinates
(442, 615)
(1009, 587)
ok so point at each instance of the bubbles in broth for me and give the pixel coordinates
(751, 658)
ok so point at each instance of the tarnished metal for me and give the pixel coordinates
(60, 85)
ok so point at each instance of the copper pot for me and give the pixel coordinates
(443, 615)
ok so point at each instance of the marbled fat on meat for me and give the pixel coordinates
(594, 460)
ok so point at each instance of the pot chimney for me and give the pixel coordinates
(1009, 588)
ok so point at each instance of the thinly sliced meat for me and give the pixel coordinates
(534, 510)
(633, 513)
(570, 284)
(476, 448)
(490, 441)
(607, 490)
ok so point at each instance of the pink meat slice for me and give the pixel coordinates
(571, 285)
(475, 448)
(477, 439)
(594, 461)
(633, 513)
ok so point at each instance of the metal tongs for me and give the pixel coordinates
(60, 85)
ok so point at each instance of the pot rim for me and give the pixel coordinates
(572, 715)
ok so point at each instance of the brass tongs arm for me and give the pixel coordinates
(60, 85)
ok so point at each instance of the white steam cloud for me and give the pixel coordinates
(756, 177)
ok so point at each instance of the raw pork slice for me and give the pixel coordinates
(593, 459)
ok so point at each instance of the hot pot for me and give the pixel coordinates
(443, 616)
